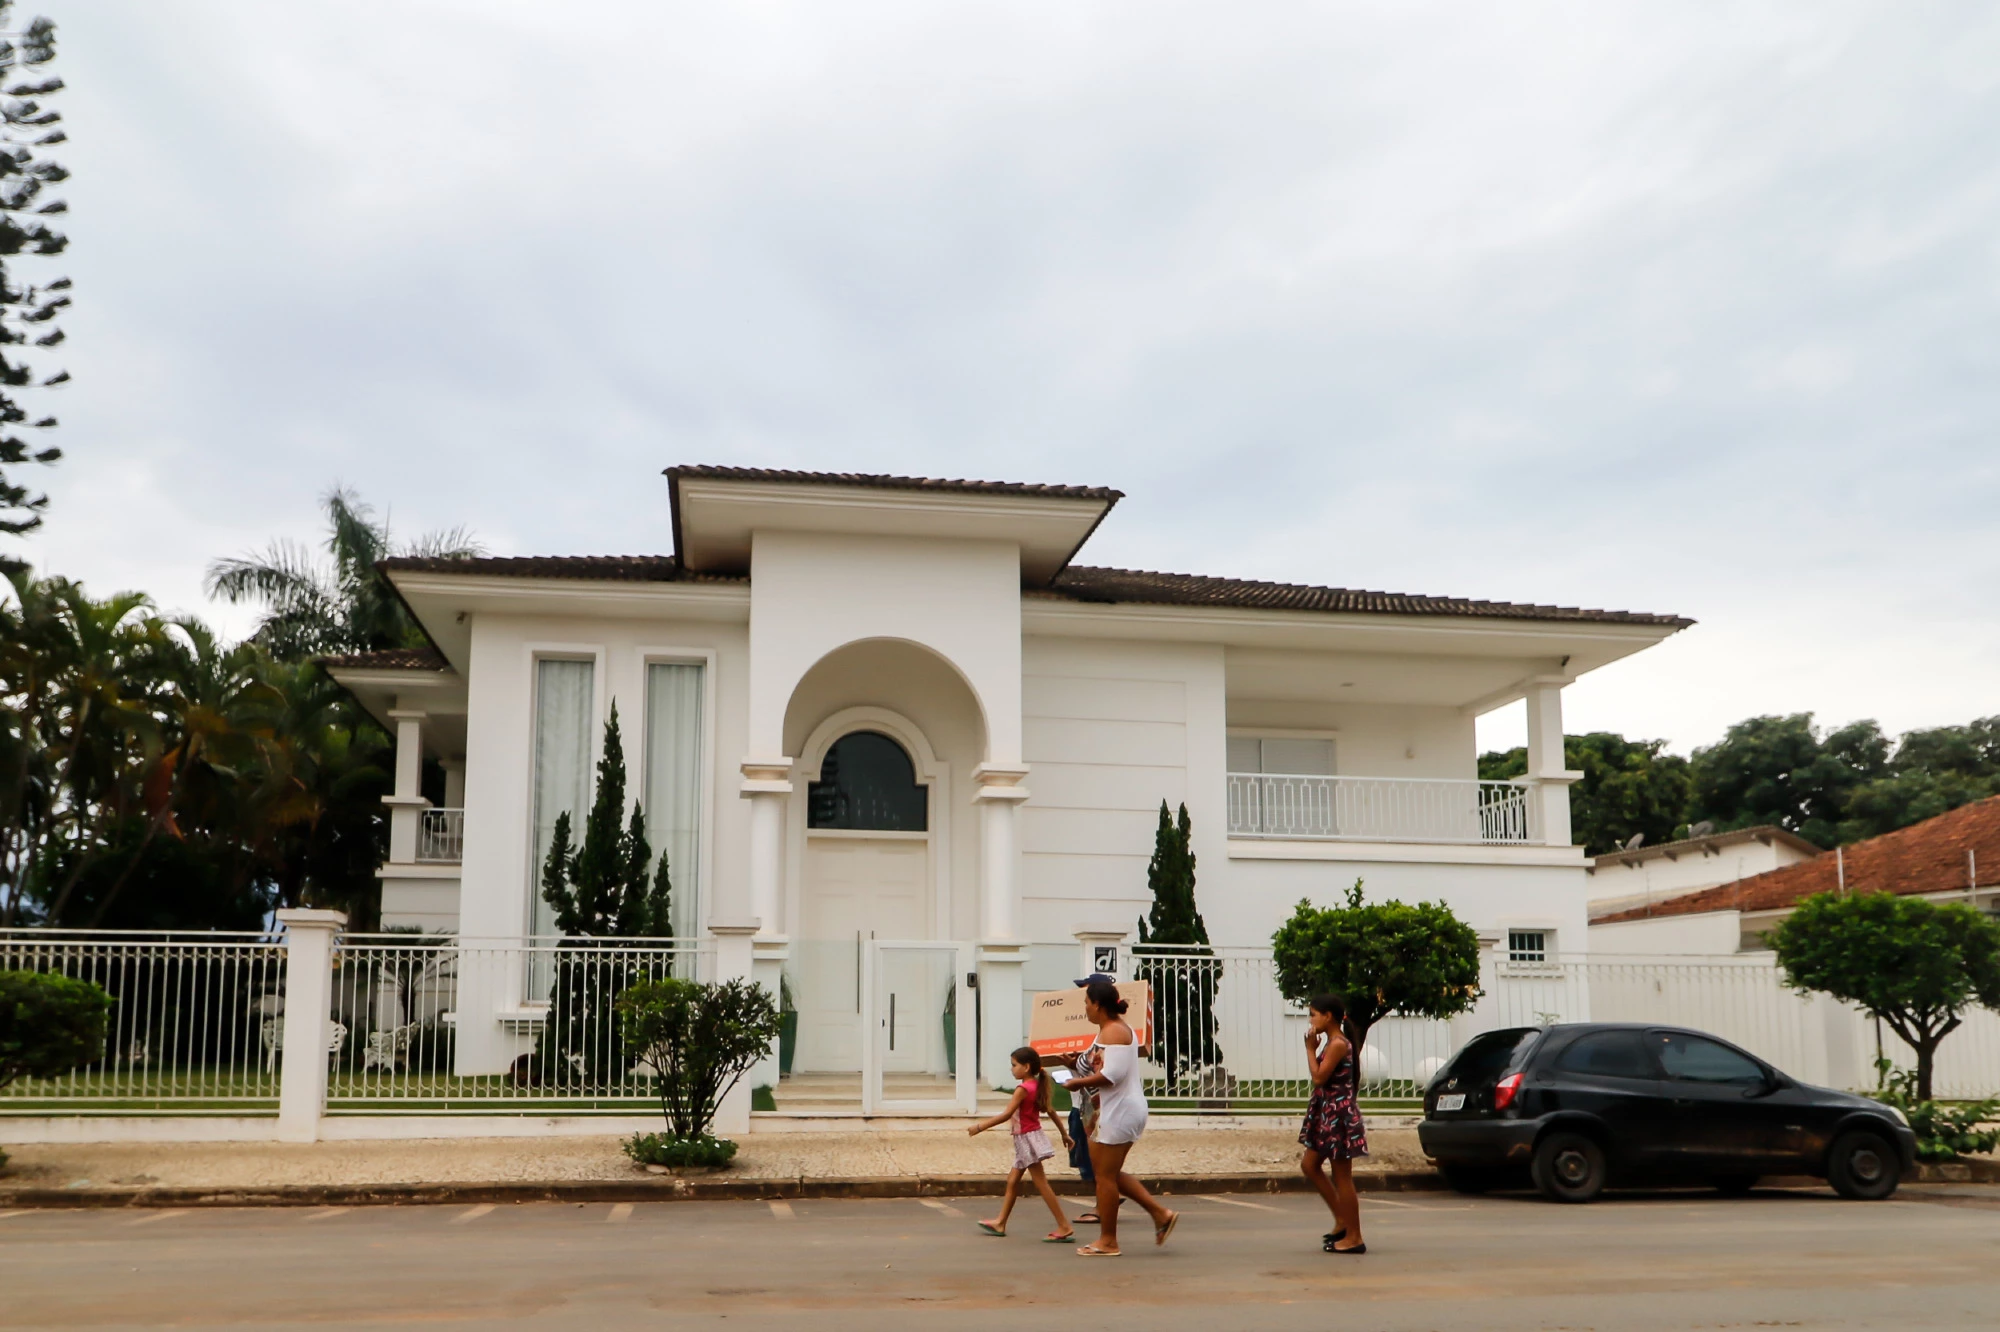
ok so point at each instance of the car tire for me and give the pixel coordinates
(1569, 1168)
(1863, 1166)
(1734, 1186)
(1470, 1179)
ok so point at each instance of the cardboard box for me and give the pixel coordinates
(1057, 1024)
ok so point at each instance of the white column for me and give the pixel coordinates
(1548, 772)
(308, 1020)
(454, 782)
(407, 805)
(733, 961)
(767, 786)
(1002, 953)
(1102, 943)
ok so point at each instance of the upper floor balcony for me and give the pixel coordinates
(441, 837)
(1381, 809)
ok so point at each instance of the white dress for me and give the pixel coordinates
(1121, 1106)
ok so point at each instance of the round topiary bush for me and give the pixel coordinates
(49, 1024)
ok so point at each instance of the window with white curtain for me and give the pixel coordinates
(673, 783)
(564, 710)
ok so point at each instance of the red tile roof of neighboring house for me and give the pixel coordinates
(1927, 857)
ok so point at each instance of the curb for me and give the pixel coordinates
(666, 1189)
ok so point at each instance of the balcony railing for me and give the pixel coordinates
(1379, 809)
(441, 837)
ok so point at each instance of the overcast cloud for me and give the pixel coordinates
(1675, 307)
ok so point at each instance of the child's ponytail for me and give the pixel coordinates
(1031, 1059)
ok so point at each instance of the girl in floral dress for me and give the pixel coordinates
(1332, 1133)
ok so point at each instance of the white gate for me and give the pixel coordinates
(919, 1051)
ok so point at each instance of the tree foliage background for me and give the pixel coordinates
(153, 776)
(1829, 787)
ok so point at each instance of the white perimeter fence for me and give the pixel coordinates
(433, 1024)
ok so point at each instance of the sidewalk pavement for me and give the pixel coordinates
(767, 1164)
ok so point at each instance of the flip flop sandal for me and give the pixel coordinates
(1166, 1228)
(993, 1230)
(1090, 1219)
(1064, 1238)
(1092, 1251)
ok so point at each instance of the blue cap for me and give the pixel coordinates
(1096, 976)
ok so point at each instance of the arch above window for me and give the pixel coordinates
(867, 782)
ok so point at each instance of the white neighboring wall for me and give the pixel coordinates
(1710, 932)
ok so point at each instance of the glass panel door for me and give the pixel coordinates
(918, 1030)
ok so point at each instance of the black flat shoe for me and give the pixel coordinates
(1359, 1248)
(1331, 1238)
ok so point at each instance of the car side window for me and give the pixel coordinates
(1607, 1054)
(1698, 1059)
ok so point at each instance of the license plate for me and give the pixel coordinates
(1455, 1101)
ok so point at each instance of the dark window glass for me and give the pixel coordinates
(1698, 1059)
(1487, 1056)
(867, 781)
(1607, 1054)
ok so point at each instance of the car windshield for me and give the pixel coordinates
(1488, 1054)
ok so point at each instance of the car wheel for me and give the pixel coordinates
(1863, 1165)
(1569, 1168)
(1734, 1185)
(1469, 1179)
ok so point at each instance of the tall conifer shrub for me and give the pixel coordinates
(1184, 975)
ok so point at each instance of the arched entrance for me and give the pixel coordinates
(868, 874)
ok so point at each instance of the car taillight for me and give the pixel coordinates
(1505, 1090)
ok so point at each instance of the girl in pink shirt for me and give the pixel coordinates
(1027, 1109)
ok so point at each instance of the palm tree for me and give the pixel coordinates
(314, 607)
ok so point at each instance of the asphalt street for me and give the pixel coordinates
(1928, 1259)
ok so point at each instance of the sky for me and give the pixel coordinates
(1686, 308)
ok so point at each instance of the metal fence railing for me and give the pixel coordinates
(194, 1026)
(438, 1024)
(441, 836)
(1379, 809)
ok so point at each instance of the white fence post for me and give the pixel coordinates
(308, 1020)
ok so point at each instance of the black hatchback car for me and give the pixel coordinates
(1578, 1106)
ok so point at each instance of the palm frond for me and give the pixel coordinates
(453, 543)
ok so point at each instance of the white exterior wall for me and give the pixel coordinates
(1709, 932)
(1112, 728)
(1657, 877)
(499, 748)
(1374, 740)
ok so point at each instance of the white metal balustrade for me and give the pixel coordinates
(1379, 809)
(441, 836)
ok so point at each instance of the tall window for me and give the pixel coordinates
(563, 712)
(673, 783)
(867, 781)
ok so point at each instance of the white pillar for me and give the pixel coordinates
(407, 805)
(308, 1020)
(767, 786)
(454, 782)
(734, 951)
(1002, 953)
(1098, 943)
(1548, 773)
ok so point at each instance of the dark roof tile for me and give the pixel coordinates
(393, 659)
(780, 476)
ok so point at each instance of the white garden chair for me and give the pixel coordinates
(389, 1049)
(274, 1041)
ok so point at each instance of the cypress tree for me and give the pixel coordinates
(603, 890)
(1183, 974)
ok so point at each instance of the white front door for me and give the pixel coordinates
(857, 888)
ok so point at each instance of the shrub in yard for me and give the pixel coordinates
(697, 1040)
(664, 1149)
(1388, 959)
(1943, 1131)
(49, 1024)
